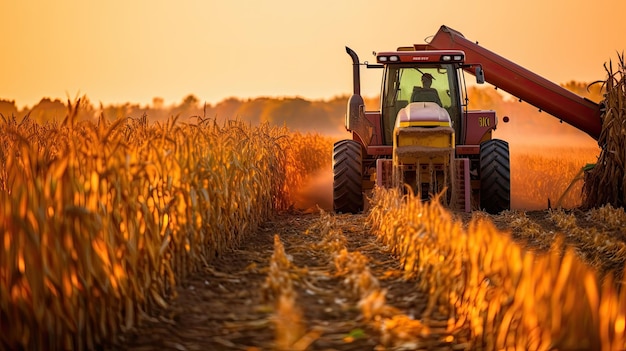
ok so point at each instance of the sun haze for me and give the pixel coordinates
(132, 51)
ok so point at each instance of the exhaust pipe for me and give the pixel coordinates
(356, 73)
(355, 118)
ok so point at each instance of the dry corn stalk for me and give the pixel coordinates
(99, 220)
(494, 294)
(606, 182)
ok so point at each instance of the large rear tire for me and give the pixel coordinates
(347, 177)
(495, 176)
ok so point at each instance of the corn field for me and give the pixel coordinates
(495, 294)
(549, 176)
(100, 221)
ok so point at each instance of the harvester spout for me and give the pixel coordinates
(561, 103)
(356, 75)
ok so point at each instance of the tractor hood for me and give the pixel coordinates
(423, 114)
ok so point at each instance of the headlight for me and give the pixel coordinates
(382, 58)
(446, 58)
(394, 58)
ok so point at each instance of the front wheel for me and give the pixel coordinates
(347, 177)
(495, 176)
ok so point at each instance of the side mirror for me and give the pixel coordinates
(480, 75)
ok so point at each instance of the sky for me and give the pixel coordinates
(119, 51)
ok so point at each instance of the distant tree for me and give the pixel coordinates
(294, 112)
(114, 112)
(226, 109)
(322, 116)
(48, 110)
(190, 106)
(252, 110)
(8, 108)
(158, 103)
(190, 101)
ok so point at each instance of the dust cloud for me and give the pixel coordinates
(316, 192)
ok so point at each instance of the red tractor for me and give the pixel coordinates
(424, 138)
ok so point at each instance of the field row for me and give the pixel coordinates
(505, 295)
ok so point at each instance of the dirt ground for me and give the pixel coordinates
(225, 305)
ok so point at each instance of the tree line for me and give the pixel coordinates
(321, 116)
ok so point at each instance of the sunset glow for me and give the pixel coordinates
(119, 51)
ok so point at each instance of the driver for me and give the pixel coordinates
(426, 93)
(427, 80)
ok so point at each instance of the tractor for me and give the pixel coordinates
(424, 138)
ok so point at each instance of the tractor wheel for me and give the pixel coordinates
(495, 176)
(347, 177)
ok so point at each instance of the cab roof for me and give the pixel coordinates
(404, 56)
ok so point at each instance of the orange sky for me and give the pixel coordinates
(131, 51)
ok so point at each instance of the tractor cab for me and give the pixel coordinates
(423, 87)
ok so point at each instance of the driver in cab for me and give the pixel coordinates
(426, 93)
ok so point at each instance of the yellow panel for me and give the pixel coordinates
(427, 140)
(424, 124)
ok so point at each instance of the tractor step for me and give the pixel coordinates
(463, 187)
